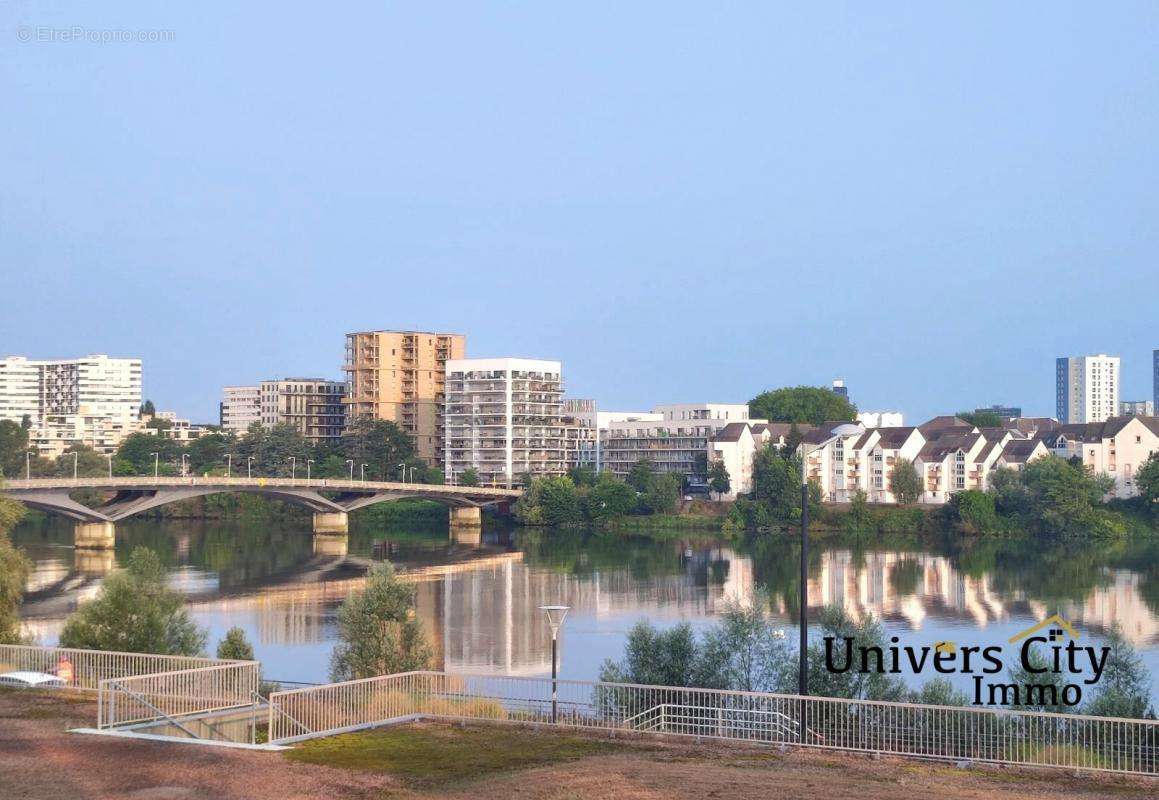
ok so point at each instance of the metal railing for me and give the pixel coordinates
(149, 482)
(85, 669)
(942, 732)
(176, 694)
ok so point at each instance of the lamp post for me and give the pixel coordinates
(362, 471)
(403, 468)
(156, 464)
(412, 474)
(27, 465)
(75, 459)
(293, 467)
(184, 464)
(109, 456)
(249, 466)
(228, 465)
(309, 462)
(350, 463)
(555, 616)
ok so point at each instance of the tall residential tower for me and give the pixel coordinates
(399, 376)
(1087, 388)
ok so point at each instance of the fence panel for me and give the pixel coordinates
(85, 669)
(952, 733)
(144, 698)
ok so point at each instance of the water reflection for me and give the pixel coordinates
(479, 597)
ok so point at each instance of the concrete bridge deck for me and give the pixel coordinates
(330, 499)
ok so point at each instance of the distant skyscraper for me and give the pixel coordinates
(1087, 388)
(840, 388)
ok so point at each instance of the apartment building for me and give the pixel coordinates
(400, 376)
(592, 425)
(675, 443)
(312, 405)
(504, 419)
(241, 406)
(1117, 447)
(736, 446)
(94, 400)
(168, 425)
(1087, 388)
(1136, 408)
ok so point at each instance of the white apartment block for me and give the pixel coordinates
(241, 406)
(1117, 447)
(504, 418)
(592, 425)
(881, 419)
(1087, 388)
(674, 442)
(736, 446)
(94, 400)
(312, 405)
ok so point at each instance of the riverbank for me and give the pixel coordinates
(40, 761)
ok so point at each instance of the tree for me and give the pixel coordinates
(609, 498)
(718, 479)
(808, 404)
(640, 475)
(745, 648)
(582, 475)
(845, 679)
(434, 475)
(1147, 481)
(89, 463)
(661, 658)
(559, 500)
(13, 446)
(981, 419)
(207, 452)
(136, 450)
(135, 612)
(1125, 687)
(148, 409)
(1063, 498)
(380, 444)
(272, 448)
(975, 511)
(14, 569)
(235, 646)
(777, 482)
(377, 630)
(905, 482)
(469, 477)
(859, 508)
(662, 494)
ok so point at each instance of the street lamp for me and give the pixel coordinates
(109, 456)
(412, 474)
(75, 459)
(403, 468)
(156, 464)
(293, 467)
(184, 463)
(362, 469)
(249, 466)
(555, 616)
(848, 429)
(350, 463)
(27, 465)
(228, 465)
(309, 461)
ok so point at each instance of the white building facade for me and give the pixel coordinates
(1087, 388)
(675, 443)
(312, 405)
(241, 406)
(93, 401)
(504, 419)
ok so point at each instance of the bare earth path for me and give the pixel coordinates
(38, 760)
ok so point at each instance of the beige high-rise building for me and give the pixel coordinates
(400, 376)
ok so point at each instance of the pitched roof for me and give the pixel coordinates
(943, 423)
(893, 438)
(1017, 451)
(947, 443)
(732, 432)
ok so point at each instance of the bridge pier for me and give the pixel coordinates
(466, 518)
(94, 536)
(94, 562)
(331, 522)
(331, 544)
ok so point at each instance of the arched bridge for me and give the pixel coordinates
(330, 499)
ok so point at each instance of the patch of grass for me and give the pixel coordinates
(426, 756)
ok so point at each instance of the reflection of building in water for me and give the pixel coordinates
(914, 586)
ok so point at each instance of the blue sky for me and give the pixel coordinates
(682, 202)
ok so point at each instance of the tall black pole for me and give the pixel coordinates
(804, 643)
(553, 676)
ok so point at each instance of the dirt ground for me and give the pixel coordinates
(38, 760)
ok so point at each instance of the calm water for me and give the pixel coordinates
(479, 598)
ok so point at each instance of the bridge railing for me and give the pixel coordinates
(905, 729)
(257, 481)
(86, 669)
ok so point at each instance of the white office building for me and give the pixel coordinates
(241, 406)
(504, 419)
(94, 401)
(1087, 388)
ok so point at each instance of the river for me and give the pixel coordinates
(478, 597)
